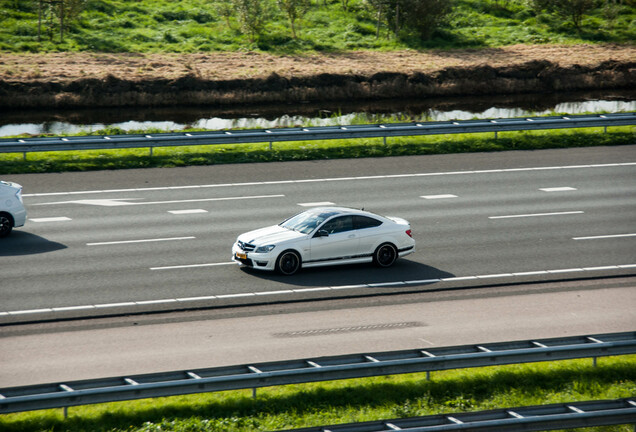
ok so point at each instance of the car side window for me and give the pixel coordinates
(361, 222)
(338, 225)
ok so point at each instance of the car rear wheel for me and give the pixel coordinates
(6, 224)
(385, 255)
(288, 263)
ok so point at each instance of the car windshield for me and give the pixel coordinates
(306, 222)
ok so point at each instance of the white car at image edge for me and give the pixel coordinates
(325, 236)
(12, 211)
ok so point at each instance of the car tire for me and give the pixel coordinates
(288, 263)
(385, 255)
(6, 224)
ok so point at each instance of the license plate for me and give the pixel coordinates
(241, 256)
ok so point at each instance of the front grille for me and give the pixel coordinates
(247, 247)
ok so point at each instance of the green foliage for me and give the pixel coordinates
(357, 400)
(294, 10)
(252, 16)
(205, 25)
(572, 9)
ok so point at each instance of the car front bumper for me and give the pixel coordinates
(255, 260)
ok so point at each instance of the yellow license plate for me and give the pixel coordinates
(241, 256)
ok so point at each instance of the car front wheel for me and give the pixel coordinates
(6, 224)
(288, 263)
(385, 255)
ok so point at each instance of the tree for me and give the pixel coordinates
(294, 9)
(380, 7)
(572, 9)
(225, 10)
(423, 16)
(251, 15)
(65, 11)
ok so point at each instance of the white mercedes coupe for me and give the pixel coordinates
(325, 236)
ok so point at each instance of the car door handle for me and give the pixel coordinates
(352, 235)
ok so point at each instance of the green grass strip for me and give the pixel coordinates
(162, 157)
(355, 400)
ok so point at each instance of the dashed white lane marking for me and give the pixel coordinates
(182, 212)
(139, 241)
(441, 196)
(279, 182)
(122, 201)
(604, 236)
(316, 204)
(536, 215)
(51, 219)
(558, 189)
(305, 290)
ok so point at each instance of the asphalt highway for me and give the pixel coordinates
(514, 245)
(159, 239)
(120, 346)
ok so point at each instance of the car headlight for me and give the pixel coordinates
(264, 249)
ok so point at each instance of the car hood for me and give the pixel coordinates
(274, 234)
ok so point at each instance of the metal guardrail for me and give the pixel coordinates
(56, 395)
(533, 418)
(104, 142)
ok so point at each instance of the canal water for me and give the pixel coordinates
(64, 122)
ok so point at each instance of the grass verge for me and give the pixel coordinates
(17, 163)
(355, 400)
(199, 26)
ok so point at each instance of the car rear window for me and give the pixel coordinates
(361, 222)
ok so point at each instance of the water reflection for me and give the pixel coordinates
(63, 122)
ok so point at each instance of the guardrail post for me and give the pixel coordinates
(253, 392)
(270, 145)
(24, 156)
(151, 151)
(65, 413)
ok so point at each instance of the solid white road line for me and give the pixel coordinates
(193, 266)
(305, 290)
(536, 214)
(279, 182)
(603, 236)
(51, 219)
(139, 241)
(122, 202)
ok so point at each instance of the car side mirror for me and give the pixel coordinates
(322, 233)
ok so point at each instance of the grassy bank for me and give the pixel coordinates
(144, 26)
(357, 400)
(309, 150)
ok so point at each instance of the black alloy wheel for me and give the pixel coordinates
(385, 255)
(288, 263)
(6, 224)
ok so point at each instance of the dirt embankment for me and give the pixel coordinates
(71, 80)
